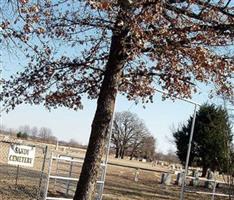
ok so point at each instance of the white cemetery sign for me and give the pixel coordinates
(21, 155)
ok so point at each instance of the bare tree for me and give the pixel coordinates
(7, 131)
(117, 46)
(2, 127)
(25, 129)
(123, 132)
(147, 148)
(73, 143)
(34, 132)
(46, 134)
(128, 133)
(138, 141)
(169, 157)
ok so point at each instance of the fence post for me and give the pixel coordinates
(69, 175)
(56, 171)
(17, 176)
(213, 193)
(42, 172)
(48, 176)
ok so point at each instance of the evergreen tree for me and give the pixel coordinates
(22, 135)
(211, 140)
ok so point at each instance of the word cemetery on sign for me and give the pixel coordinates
(21, 155)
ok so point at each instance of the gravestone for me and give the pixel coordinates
(210, 176)
(179, 178)
(166, 179)
(172, 166)
(136, 177)
(195, 180)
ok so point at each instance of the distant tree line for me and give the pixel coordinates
(42, 134)
(169, 157)
(72, 143)
(45, 134)
(130, 137)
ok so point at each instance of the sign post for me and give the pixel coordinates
(17, 176)
(21, 155)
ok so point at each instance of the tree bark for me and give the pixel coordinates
(133, 151)
(123, 152)
(131, 156)
(105, 106)
(204, 170)
(117, 152)
(120, 152)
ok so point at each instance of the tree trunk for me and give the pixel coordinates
(204, 170)
(131, 156)
(122, 154)
(133, 151)
(120, 151)
(117, 152)
(105, 106)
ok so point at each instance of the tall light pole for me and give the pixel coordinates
(188, 152)
(189, 144)
(190, 140)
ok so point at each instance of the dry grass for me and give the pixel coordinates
(119, 185)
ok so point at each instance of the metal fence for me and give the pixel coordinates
(216, 187)
(63, 175)
(22, 182)
(64, 172)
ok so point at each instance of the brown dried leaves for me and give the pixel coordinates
(167, 45)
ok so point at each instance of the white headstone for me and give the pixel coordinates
(136, 178)
(166, 179)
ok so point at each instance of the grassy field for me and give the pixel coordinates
(119, 185)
